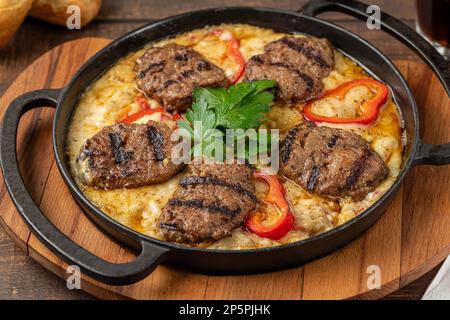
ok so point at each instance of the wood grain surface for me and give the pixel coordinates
(395, 244)
(22, 277)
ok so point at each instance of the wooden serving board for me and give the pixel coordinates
(409, 240)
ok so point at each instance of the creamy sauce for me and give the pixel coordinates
(113, 95)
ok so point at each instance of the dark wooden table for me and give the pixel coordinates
(21, 277)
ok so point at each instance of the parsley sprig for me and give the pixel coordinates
(241, 106)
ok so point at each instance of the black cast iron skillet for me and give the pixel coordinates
(154, 252)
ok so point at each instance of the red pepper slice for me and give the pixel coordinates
(370, 108)
(233, 52)
(146, 109)
(275, 196)
(136, 116)
(142, 101)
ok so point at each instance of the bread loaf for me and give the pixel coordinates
(12, 13)
(55, 11)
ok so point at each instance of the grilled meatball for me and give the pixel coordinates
(127, 155)
(170, 73)
(314, 54)
(331, 162)
(297, 64)
(212, 200)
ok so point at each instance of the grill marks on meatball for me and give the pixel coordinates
(308, 80)
(308, 51)
(333, 140)
(120, 155)
(192, 181)
(212, 200)
(312, 179)
(170, 73)
(357, 169)
(153, 67)
(127, 155)
(157, 141)
(331, 162)
(310, 54)
(288, 144)
(201, 204)
(297, 64)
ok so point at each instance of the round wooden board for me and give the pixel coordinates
(409, 240)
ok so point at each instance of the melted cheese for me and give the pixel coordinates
(114, 93)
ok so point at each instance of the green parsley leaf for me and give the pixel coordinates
(241, 106)
(199, 121)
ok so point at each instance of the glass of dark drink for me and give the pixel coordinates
(433, 23)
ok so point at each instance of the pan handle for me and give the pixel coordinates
(434, 154)
(93, 266)
(393, 26)
(427, 153)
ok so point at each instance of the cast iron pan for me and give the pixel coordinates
(154, 252)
